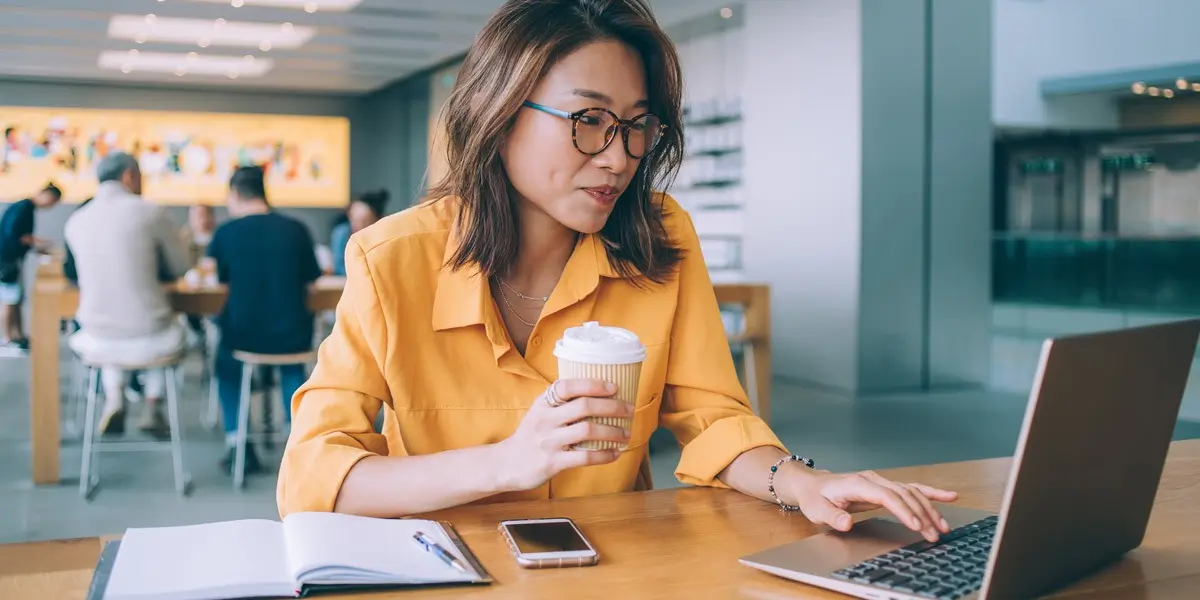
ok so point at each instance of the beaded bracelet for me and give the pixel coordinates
(808, 462)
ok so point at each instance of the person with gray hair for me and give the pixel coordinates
(121, 244)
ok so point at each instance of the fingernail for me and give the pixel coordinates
(843, 522)
(945, 525)
(610, 387)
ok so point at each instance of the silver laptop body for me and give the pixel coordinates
(1087, 465)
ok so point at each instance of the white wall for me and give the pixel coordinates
(1038, 39)
(713, 65)
(803, 140)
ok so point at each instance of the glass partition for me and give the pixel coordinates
(1099, 221)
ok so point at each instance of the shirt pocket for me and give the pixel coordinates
(654, 374)
(645, 421)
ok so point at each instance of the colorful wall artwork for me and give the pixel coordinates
(186, 158)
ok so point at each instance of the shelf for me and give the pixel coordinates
(716, 183)
(714, 152)
(709, 121)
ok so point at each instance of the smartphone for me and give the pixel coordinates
(548, 543)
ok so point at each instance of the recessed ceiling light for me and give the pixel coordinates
(192, 56)
(287, 27)
(232, 75)
(140, 38)
(151, 18)
(204, 31)
(219, 22)
(173, 62)
(265, 46)
(236, 3)
(133, 51)
(325, 5)
(1139, 88)
(180, 71)
(127, 68)
(248, 58)
(726, 13)
(311, 7)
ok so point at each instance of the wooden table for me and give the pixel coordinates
(685, 543)
(55, 299)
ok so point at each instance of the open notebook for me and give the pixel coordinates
(306, 553)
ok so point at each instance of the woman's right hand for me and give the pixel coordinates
(541, 446)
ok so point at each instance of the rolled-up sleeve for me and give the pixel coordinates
(334, 412)
(704, 405)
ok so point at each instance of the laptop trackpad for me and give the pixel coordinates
(822, 554)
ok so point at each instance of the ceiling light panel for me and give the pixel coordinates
(320, 5)
(190, 63)
(218, 32)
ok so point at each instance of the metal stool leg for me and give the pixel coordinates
(182, 480)
(751, 376)
(89, 433)
(239, 459)
(211, 417)
(79, 390)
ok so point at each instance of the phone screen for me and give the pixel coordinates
(554, 536)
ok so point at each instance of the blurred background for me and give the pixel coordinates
(924, 190)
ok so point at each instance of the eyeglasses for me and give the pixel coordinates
(593, 129)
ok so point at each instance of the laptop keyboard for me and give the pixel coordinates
(947, 569)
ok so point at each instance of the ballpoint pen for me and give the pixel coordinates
(439, 551)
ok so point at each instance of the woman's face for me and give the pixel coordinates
(360, 216)
(545, 169)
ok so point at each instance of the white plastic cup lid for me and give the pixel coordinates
(592, 343)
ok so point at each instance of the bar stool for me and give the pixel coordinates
(249, 361)
(740, 344)
(211, 417)
(89, 481)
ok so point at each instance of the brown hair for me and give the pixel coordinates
(517, 47)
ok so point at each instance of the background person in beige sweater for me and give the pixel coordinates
(121, 245)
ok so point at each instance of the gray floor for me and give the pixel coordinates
(840, 433)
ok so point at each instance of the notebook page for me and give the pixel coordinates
(330, 548)
(230, 559)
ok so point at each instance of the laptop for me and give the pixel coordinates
(1086, 469)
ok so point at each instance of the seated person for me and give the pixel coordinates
(267, 261)
(119, 244)
(547, 219)
(363, 212)
(16, 240)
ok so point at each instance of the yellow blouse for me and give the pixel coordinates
(427, 346)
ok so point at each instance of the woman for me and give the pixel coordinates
(363, 212)
(545, 220)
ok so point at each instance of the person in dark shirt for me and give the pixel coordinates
(267, 261)
(16, 239)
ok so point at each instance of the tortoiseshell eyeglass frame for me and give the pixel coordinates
(622, 124)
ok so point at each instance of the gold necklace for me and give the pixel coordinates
(512, 309)
(542, 299)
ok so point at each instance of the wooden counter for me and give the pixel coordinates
(685, 544)
(55, 299)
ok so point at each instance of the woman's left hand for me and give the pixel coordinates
(829, 498)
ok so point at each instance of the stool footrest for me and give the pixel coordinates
(133, 447)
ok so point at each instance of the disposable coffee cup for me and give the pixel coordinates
(592, 351)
